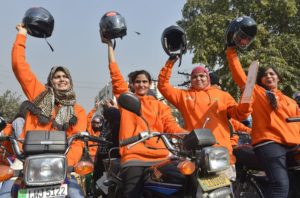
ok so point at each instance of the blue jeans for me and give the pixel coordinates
(74, 189)
(272, 157)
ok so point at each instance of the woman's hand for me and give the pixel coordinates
(110, 103)
(174, 57)
(111, 54)
(97, 104)
(21, 29)
(105, 40)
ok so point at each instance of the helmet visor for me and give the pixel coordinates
(241, 39)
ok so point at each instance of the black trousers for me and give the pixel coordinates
(133, 178)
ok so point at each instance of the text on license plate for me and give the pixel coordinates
(213, 182)
(44, 192)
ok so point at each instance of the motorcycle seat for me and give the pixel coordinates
(245, 156)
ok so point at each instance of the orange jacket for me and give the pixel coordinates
(267, 123)
(89, 119)
(32, 88)
(198, 105)
(93, 149)
(238, 126)
(7, 131)
(157, 114)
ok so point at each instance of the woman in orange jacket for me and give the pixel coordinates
(272, 136)
(203, 105)
(135, 160)
(52, 106)
(92, 112)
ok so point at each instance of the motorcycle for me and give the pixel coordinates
(45, 172)
(251, 179)
(194, 168)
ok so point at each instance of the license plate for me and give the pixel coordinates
(44, 192)
(212, 182)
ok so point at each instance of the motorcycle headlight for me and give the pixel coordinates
(216, 159)
(42, 170)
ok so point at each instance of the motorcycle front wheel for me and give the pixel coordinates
(246, 189)
(114, 192)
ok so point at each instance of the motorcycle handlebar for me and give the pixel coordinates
(84, 136)
(143, 136)
(130, 140)
(296, 119)
(14, 144)
(240, 133)
(99, 140)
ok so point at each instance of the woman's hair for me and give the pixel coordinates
(261, 73)
(133, 75)
(270, 95)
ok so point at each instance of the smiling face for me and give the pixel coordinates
(199, 80)
(60, 81)
(270, 79)
(141, 85)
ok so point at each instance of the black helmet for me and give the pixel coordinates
(112, 25)
(38, 22)
(173, 39)
(241, 32)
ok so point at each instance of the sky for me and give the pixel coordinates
(77, 43)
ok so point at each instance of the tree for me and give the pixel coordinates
(9, 105)
(277, 41)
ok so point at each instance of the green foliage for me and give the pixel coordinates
(277, 41)
(9, 105)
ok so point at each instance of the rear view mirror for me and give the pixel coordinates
(130, 102)
(199, 138)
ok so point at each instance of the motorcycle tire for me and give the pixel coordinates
(114, 192)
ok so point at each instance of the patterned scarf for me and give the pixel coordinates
(43, 105)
